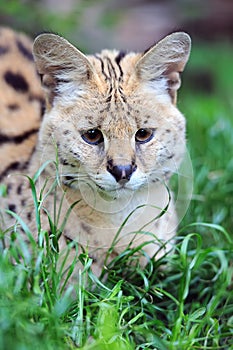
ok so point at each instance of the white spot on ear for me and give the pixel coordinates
(69, 92)
(159, 89)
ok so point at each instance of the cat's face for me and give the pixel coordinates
(112, 116)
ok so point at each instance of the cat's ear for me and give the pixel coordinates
(166, 59)
(59, 63)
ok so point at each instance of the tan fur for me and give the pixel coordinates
(117, 94)
(20, 111)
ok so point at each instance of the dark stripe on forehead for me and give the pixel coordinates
(122, 95)
(118, 59)
(120, 56)
(111, 68)
(102, 67)
(109, 94)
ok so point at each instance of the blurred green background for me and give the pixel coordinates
(206, 94)
(128, 24)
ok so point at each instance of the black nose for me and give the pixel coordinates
(122, 173)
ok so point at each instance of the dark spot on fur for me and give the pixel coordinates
(167, 175)
(156, 224)
(16, 81)
(12, 207)
(3, 50)
(9, 187)
(11, 167)
(75, 154)
(29, 216)
(64, 161)
(23, 202)
(19, 189)
(24, 50)
(181, 128)
(171, 156)
(86, 228)
(168, 130)
(155, 180)
(66, 132)
(89, 118)
(67, 239)
(70, 241)
(69, 178)
(13, 107)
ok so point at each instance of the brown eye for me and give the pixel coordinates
(93, 136)
(144, 135)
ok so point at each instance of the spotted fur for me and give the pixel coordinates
(21, 101)
(112, 125)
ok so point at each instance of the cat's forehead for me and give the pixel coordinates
(118, 85)
(115, 68)
(116, 118)
(116, 62)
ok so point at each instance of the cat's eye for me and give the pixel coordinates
(144, 135)
(93, 136)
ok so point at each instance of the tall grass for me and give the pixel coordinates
(181, 301)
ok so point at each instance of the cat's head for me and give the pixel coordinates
(113, 115)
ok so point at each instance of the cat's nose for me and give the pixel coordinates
(122, 173)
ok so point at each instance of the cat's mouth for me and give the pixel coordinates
(121, 189)
(117, 189)
(114, 189)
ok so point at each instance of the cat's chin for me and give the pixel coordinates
(114, 195)
(113, 191)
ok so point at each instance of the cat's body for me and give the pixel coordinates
(112, 126)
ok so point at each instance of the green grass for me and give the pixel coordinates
(209, 134)
(182, 301)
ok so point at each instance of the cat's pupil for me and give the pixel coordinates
(93, 134)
